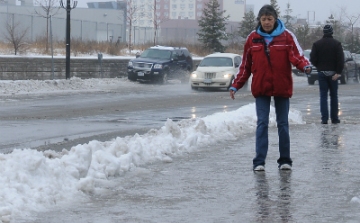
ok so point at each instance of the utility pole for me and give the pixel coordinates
(68, 8)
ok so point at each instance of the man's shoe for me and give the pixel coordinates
(335, 121)
(259, 168)
(285, 167)
(323, 122)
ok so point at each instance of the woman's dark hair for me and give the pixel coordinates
(266, 10)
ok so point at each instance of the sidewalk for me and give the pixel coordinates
(218, 185)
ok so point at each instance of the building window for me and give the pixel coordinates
(191, 6)
(174, 6)
(182, 6)
(174, 15)
(191, 14)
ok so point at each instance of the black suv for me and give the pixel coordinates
(350, 70)
(160, 63)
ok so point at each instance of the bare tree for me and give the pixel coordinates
(131, 17)
(47, 9)
(15, 34)
(157, 18)
(352, 20)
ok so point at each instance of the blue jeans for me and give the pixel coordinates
(262, 139)
(326, 84)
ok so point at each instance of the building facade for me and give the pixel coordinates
(177, 20)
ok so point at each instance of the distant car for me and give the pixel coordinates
(160, 63)
(357, 59)
(216, 70)
(350, 71)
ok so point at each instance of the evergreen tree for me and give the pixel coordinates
(248, 24)
(213, 27)
(287, 17)
(274, 4)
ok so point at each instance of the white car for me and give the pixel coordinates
(216, 70)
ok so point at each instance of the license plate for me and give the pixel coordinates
(141, 74)
(207, 81)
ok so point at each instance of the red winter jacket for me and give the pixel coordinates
(272, 75)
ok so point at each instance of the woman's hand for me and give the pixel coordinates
(232, 94)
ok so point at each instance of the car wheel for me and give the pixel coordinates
(311, 82)
(344, 78)
(131, 78)
(164, 78)
(185, 77)
(357, 78)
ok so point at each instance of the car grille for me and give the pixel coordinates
(142, 66)
(210, 75)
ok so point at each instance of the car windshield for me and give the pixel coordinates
(156, 54)
(216, 62)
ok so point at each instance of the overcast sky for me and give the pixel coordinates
(322, 8)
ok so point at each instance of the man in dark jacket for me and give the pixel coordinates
(268, 54)
(327, 56)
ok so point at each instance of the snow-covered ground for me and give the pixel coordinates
(32, 181)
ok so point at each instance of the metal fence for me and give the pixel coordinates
(91, 31)
(80, 29)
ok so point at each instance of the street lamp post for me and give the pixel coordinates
(68, 8)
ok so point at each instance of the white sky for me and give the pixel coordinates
(322, 8)
(39, 182)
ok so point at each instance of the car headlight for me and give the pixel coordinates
(227, 75)
(130, 64)
(158, 66)
(194, 75)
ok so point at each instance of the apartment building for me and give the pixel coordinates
(178, 19)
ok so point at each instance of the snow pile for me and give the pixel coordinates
(52, 86)
(43, 179)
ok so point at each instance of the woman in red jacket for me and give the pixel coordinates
(268, 54)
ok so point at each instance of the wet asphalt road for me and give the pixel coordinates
(218, 185)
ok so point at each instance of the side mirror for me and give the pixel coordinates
(237, 65)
